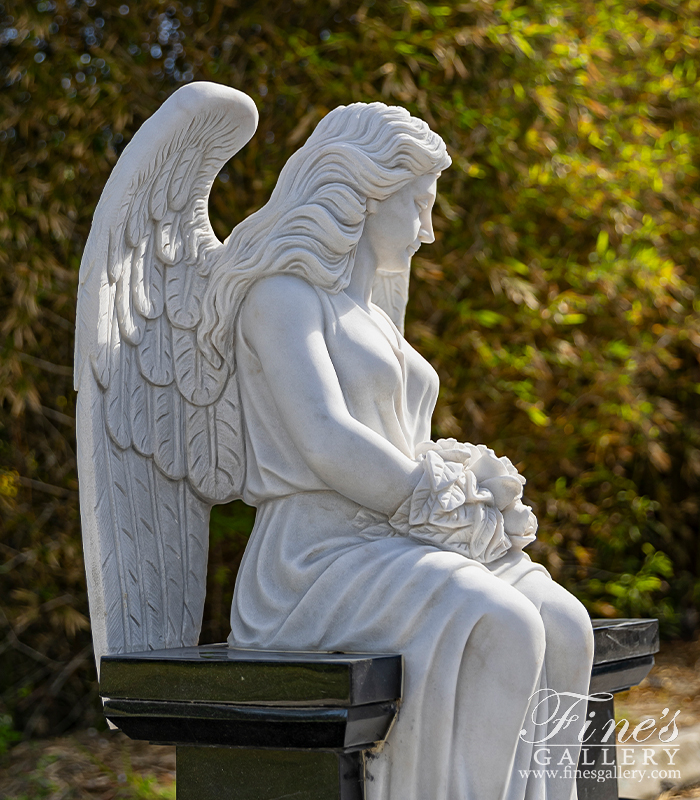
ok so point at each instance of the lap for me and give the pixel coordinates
(405, 576)
(382, 593)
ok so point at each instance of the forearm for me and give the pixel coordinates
(360, 464)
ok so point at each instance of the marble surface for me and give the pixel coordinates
(272, 367)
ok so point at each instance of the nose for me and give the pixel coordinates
(426, 234)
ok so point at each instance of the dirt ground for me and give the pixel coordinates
(88, 764)
(673, 683)
(107, 766)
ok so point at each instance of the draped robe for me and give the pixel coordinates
(316, 577)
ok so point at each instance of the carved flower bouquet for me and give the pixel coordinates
(467, 500)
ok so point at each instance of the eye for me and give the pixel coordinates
(421, 204)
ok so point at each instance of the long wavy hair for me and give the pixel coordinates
(313, 222)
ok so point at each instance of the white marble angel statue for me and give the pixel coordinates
(272, 367)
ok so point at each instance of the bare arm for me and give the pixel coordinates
(283, 321)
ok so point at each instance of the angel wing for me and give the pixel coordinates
(390, 293)
(159, 433)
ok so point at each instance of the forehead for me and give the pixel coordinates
(423, 185)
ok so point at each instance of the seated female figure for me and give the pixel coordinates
(368, 537)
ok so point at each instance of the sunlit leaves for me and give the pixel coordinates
(559, 303)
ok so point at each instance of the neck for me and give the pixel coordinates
(363, 271)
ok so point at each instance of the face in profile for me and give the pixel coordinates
(396, 227)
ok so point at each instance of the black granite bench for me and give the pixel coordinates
(260, 725)
(624, 654)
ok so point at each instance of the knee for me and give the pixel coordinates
(568, 627)
(515, 623)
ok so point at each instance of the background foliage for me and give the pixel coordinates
(559, 303)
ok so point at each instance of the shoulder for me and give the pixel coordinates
(281, 300)
(285, 289)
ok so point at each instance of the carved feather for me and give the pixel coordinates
(131, 324)
(118, 254)
(147, 280)
(195, 547)
(215, 446)
(168, 431)
(230, 443)
(100, 354)
(138, 217)
(155, 353)
(200, 433)
(140, 410)
(169, 245)
(184, 289)
(201, 247)
(126, 540)
(149, 551)
(158, 200)
(182, 176)
(117, 396)
(164, 494)
(199, 382)
(102, 555)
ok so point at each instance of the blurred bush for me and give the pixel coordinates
(559, 303)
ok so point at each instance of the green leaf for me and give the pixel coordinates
(601, 244)
(538, 416)
(523, 44)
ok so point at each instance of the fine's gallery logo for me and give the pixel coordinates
(555, 712)
(576, 732)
